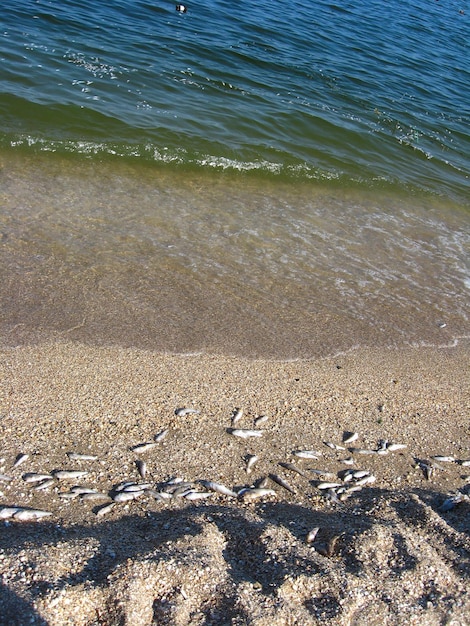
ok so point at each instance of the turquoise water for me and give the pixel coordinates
(370, 92)
(266, 179)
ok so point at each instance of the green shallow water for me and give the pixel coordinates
(115, 253)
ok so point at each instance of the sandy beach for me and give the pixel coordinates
(388, 551)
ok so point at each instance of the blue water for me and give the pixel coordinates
(266, 179)
(369, 93)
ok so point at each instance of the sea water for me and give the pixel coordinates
(264, 179)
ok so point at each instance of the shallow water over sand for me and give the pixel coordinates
(148, 257)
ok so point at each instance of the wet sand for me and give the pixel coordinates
(387, 551)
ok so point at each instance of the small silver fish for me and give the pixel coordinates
(281, 482)
(366, 480)
(261, 420)
(253, 493)
(161, 436)
(362, 451)
(465, 463)
(8, 511)
(333, 446)
(143, 447)
(45, 484)
(218, 487)
(21, 458)
(69, 474)
(250, 461)
(30, 515)
(106, 508)
(328, 485)
(392, 447)
(34, 477)
(307, 454)
(126, 496)
(236, 416)
(293, 468)
(184, 411)
(443, 459)
(75, 456)
(141, 468)
(94, 496)
(322, 472)
(197, 495)
(350, 438)
(244, 433)
(5, 479)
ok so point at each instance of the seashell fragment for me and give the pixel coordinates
(244, 433)
(310, 538)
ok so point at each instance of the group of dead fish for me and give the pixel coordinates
(335, 487)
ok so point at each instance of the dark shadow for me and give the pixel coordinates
(246, 552)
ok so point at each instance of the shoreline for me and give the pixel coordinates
(222, 559)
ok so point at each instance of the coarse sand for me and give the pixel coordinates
(390, 553)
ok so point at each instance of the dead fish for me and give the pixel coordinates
(21, 458)
(253, 493)
(236, 416)
(293, 468)
(261, 420)
(94, 496)
(161, 436)
(141, 468)
(327, 485)
(80, 489)
(350, 438)
(310, 538)
(348, 461)
(333, 446)
(465, 463)
(197, 495)
(75, 456)
(281, 482)
(244, 433)
(393, 447)
(30, 515)
(34, 477)
(69, 474)
(184, 411)
(307, 454)
(45, 484)
(360, 473)
(8, 511)
(103, 510)
(158, 495)
(218, 487)
(443, 459)
(250, 461)
(362, 451)
(321, 472)
(143, 447)
(126, 496)
(366, 480)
